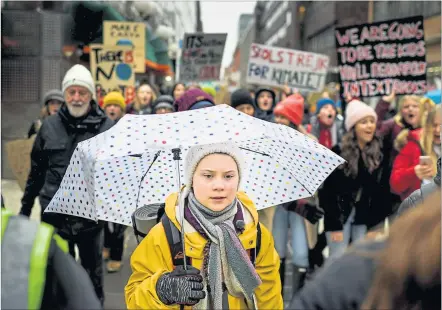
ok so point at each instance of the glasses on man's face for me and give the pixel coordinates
(81, 92)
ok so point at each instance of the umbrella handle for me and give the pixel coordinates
(177, 157)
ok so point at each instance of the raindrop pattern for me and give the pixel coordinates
(131, 165)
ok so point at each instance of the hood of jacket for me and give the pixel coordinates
(261, 114)
(91, 121)
(197, 241)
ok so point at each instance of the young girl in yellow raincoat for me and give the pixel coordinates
(221, 274)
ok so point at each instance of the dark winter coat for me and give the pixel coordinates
(354, 269)
(147, 110)
(366, 193)
(52, 151)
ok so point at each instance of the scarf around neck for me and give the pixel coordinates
(225, 259)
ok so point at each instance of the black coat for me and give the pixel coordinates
(340, 194)
(53, 148)
(343, 283)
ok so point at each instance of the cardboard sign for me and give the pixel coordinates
(202, 56)
(375, 59)
(19, 158)
(127, 34)
(112, 69)
(276, 66)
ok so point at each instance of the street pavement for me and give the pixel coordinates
(114, 283)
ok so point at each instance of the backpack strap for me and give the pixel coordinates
(255, 251)
(173, 236)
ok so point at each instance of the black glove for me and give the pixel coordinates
(25, 211)
(183, 287)
(310, 212)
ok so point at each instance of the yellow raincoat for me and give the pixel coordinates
(152, 258)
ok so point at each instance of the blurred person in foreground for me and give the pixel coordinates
(37, 272)
(401, 271)
(79, 119)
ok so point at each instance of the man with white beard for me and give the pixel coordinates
(80, 118)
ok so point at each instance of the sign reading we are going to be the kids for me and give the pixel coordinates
(276, 66)
(375, 59)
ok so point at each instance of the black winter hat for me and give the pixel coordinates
(241, 96)
(164, 101)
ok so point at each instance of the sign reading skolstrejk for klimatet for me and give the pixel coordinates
(276, 66)
(202, 56)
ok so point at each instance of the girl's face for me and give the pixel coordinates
(163, 111)
(279, 119)
(178, 91)
(365, 130)
(265, 101)
(113, 111)
(216, 181)
(436, 127)
(145, 94)
(246, 108)
(411, 113)
(53, 106)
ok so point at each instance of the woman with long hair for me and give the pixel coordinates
(353, 196)
(144, 98)
(408, 171)
(399, 271)
(231, 259)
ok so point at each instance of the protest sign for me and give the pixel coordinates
(202, 56)
(276, 66)
(127, 34)
(19, 158)
(112, 69)
(375, 59)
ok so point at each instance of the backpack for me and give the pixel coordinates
(173, 236)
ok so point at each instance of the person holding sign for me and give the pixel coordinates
(265, 100)
(416, 162)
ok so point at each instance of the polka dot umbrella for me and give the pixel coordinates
(131, 165)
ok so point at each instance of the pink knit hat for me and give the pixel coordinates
(357, 110)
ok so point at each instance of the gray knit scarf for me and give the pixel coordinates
(226, 259)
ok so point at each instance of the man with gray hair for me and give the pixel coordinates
(79, 118)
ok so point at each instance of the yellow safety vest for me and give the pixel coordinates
(25, 248)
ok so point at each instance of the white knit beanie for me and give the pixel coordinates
(79, 75)
(197, 153)
(357, 110)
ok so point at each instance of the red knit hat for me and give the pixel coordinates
(292, 108)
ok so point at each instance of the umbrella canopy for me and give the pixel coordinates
(131, 164)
